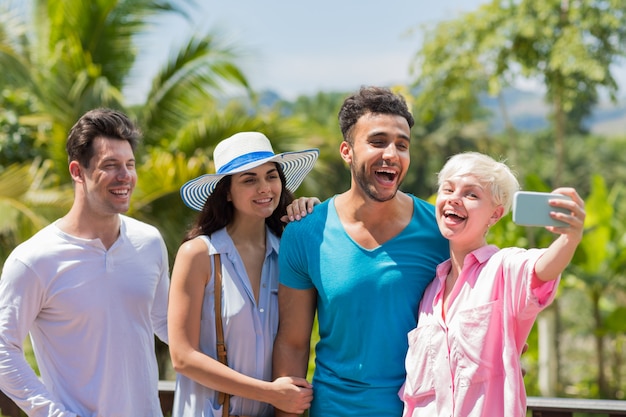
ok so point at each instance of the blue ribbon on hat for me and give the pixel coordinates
(243, 160)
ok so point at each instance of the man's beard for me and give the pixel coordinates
(360, 177)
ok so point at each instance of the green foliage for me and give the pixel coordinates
(18, 138)
(72, 56)
(312, 122)
(567, 45)
(614, 322)
(156, 199)
(30, 198)
(182, 103)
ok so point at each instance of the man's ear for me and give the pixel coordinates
(76, 171)
(346, 152)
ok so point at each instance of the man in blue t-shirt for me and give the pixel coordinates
(362, 260)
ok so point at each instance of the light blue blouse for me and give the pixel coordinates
(249, 329)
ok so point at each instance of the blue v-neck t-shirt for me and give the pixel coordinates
(367, 301)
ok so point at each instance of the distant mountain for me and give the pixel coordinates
(609, 120)
(529, 112)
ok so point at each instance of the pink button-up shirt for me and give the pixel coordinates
(468, 364)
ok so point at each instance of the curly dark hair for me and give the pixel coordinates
(218, 212)
(371, 100)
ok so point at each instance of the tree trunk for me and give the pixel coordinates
(599, 341)
(559, 138)
(548, 357)
(510, 131)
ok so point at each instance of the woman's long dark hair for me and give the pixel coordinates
(218, 212)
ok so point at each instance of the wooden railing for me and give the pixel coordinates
(166, 395)
(537, 406)
(566, 407)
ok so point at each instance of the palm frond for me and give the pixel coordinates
(26, 195)
(189, 85)
(163, 174)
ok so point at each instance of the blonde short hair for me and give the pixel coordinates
(488, 171)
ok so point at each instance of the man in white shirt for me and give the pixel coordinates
(90, 288)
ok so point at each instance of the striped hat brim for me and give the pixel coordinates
(295, 165)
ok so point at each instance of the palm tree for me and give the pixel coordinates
(73, 55)
(29, 200)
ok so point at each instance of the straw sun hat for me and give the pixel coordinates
(242, 152)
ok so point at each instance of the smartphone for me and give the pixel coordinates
(531, 208)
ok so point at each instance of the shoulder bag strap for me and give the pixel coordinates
(223, 398)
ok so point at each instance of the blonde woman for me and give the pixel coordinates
(474, 318)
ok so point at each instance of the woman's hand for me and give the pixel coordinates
(294, 394)
(561, 251)
(575, 219)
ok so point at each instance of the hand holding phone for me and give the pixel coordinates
(531, 208)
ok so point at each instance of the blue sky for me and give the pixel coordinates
(296, 47)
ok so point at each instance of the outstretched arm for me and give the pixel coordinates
(552, 263)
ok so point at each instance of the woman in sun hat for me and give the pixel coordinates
(240, 208)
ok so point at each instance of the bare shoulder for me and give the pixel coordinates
(192, 264)
(193, 248)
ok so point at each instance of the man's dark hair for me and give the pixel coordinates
(375, 100)
(102, 122)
